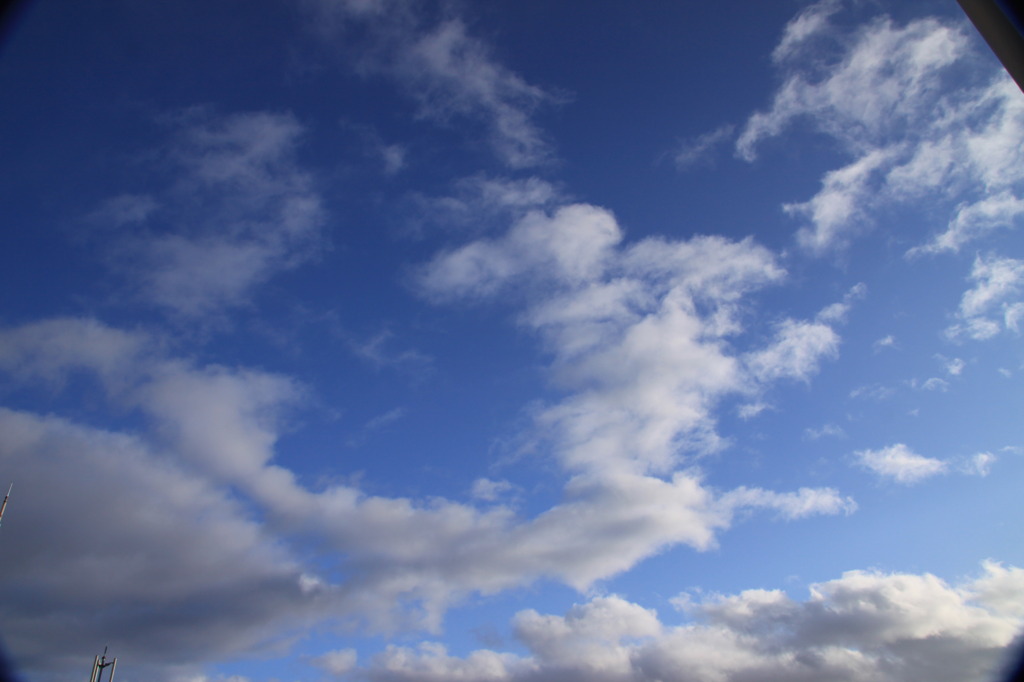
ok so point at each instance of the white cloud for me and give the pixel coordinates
(339, 662)
(481, 194)
(404, 561)
(844, 201)
(490, 491)
(997, 281)
(954, 367)
(131, 534)
(45, 350)
(831, 430)
(636, 331)
(393, 158)
(430, 662)
(802, 503)
(882, 94)
(125, 209)
(453, 73)
(973, 220)
(885, 78)
(980, 464)
(862, 627)
(751, 410)
(481, 203)
(240, 211)
(873, 392)
(799, 346)
(900, 463)
(692, 152)
(380, 422)
(837, 312)
(378, 350)
(796, 351)
(999, 589)
(809, 23)
(888, 341)
(570, 245)
(449, 73)
(935, 384)
(383, 420)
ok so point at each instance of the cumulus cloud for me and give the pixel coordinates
(130, 533)
(900, 463)
(239, 211)
(637, 339)
(875, 92)
(404, 561)
(861, 627)
(633, 330)
(637, 332)
(570, 245)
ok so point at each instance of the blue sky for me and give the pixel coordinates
(406, 341)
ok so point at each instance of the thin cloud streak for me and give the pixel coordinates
(450, 74)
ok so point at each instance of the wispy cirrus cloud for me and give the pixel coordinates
(994, 303)
(482, 202)
(691, 152)
(827, 430)
(238, 210)
(809, 24)
(874, 92)
(450, 74)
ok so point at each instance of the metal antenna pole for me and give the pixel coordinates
(99, 664)
(4, 505)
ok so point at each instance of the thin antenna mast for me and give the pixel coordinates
(4, 505)
(99, 664)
